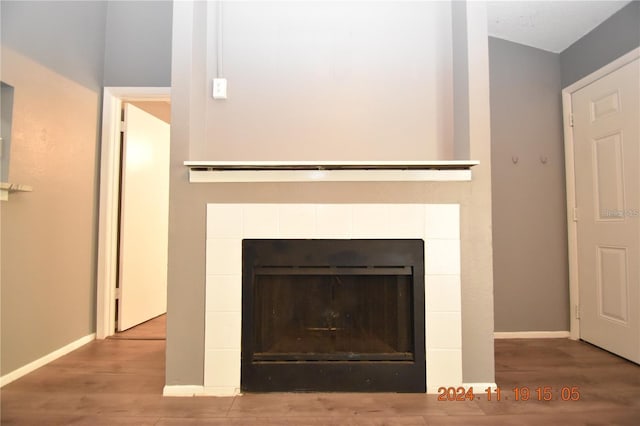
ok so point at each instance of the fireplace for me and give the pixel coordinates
(333, 315)
(228, 225)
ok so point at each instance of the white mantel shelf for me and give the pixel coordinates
(329, 171)
(6, 188)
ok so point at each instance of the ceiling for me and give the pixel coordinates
(548, 25)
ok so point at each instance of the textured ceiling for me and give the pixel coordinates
(548, 25)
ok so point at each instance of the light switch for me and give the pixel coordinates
(219, 88)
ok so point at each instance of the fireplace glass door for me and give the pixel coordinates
(333, 315)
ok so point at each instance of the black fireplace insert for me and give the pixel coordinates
(333, 315)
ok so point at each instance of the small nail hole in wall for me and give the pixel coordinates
(544, 159)
(515, 159)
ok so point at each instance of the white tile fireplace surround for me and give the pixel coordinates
(228, 224)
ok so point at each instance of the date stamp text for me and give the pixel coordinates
(517, 393)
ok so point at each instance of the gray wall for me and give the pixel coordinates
(193, 136)
(529, 201)
(348, 81)
(63, 36)
(138, 44)
(460, 74)
(613, 38)
(52, 54)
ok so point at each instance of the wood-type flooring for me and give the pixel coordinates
(120, 382)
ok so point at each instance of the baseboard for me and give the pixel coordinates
(183, 390)
(531, 334)
(34, 365)
(221, 391)
(194, 390)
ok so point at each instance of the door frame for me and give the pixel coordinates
(572, 225)
(108, 227)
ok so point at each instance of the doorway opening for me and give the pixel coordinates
(133, 226)
(601, 148)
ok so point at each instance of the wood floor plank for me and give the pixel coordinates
(590, 418)
(302, 421)
(154, 329)
(119, 382)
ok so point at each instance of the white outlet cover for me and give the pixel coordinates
(219, 88)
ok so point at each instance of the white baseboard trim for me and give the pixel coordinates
(183, 390)
(221, 391)
(195, 390)
(531, 334)
(34, 365)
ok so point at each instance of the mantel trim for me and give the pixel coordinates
(328, 171)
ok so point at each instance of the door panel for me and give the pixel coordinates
(613, 286)
(609, 182)
(143, 218)
(607, 167)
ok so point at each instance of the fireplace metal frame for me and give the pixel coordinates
(345, 375)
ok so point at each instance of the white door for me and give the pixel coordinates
(144, 214)
(607, 169)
